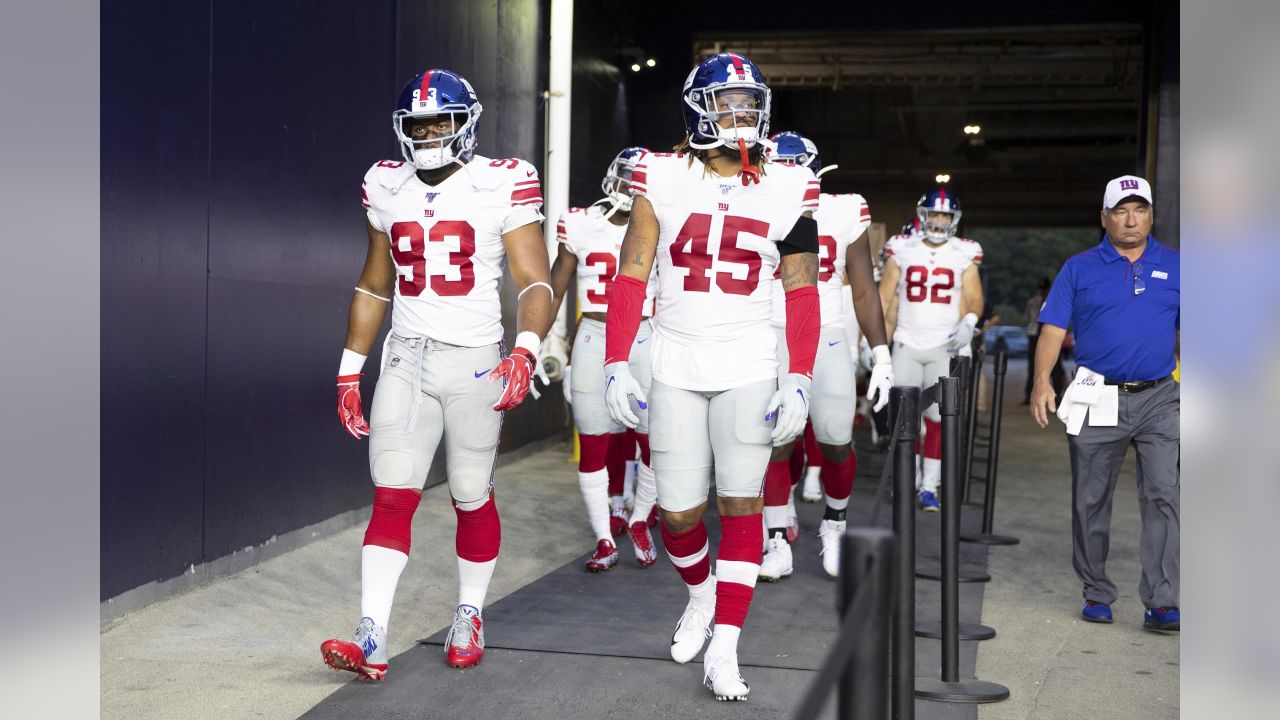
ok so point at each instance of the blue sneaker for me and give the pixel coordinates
(1096, 612)
(1165, 619)
(929, 501)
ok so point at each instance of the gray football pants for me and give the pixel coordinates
(1149, 421)
(921, 368)
(429, 389)
(588, 381)
(833, 394)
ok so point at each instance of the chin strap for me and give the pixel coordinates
(750, 173)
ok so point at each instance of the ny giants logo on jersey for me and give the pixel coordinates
(428, 213)
(723, 207)
(1128, 184)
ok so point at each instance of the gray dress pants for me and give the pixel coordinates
(1149, 421)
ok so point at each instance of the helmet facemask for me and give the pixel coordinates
(747, 104)
(617, 184)
(938, 230)
(432, 151)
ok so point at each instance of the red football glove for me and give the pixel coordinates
(517, 370)
(349, 411)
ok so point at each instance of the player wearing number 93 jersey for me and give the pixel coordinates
(933, 297)
(441, 224)
(716, 221)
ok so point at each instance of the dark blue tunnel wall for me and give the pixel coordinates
(234, 139)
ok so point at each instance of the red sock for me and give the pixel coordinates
(622, 447)
(592, 452)
(796, 463)
(777, 483)
(932, 439)
(811, 445)
(479, 532)
(392, 518)
(643, 440)
(837, 478)
(737, 565)
(688, 552)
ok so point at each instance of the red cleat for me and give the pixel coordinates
(605, 557)
(646, 554)
(466, 638)
(346, 655)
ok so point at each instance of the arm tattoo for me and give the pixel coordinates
(799, 270)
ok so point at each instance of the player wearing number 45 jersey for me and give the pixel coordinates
(932, 297)
(441, 224)
(716, 221)
(843, 252)
(589, 242)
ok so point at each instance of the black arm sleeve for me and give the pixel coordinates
(803, 237)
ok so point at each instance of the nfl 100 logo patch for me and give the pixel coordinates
(725, 188)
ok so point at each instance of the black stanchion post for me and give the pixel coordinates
(906, 402)
(950, 630)
(951, 688)
(987, 537)
(866, 565)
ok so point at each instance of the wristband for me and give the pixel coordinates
(352, 362)
(530, 343)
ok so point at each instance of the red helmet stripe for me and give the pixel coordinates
(426, 83)
(942, 199)
(737, 66)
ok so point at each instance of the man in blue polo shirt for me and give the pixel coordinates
(1121, 298)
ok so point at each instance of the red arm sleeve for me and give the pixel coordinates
(803, 327)
(622, 322)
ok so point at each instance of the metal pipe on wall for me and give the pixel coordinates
(555, 181)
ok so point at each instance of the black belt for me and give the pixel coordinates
(1137, 387)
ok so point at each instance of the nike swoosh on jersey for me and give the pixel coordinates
(642, 341)
(482, 373)
(833, 343)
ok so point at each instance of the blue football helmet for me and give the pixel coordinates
(437, 94)
(796, 148)
(912, 227)
(617, 179)
(725, 84)
(931, 204)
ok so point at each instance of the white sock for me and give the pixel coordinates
(380, 570)
(617, 503)
(595, 494)
(704, 593)
(473, 581)
(932, 474)
(646, 494)
(812, 473)
(775, 516)
(837, 504)
(724, 639)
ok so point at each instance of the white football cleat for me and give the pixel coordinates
(721, 676)
(776, 563)
(812, 489)
(692, 630)
(829, 532)
(365, 655)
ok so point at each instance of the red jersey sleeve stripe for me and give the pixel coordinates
(528, 193)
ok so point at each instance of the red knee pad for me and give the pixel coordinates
(777, 483)
(622, 447)
(933, 439)
(592, 451)
(837, 478)
(392, 521)
(642, 440)
(479, 532)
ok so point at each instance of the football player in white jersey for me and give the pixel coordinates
(441, 225)
(932, 297)
(716, 221)
(843, 252)
(589, 242)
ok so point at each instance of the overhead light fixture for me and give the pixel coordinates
(635, 67)
(942, 178)
(651, 62)
(972, 129)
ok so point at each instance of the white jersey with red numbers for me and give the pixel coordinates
(929, 287)
(716, 256)
(446, 243)
(596, 242)
(841, 221)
